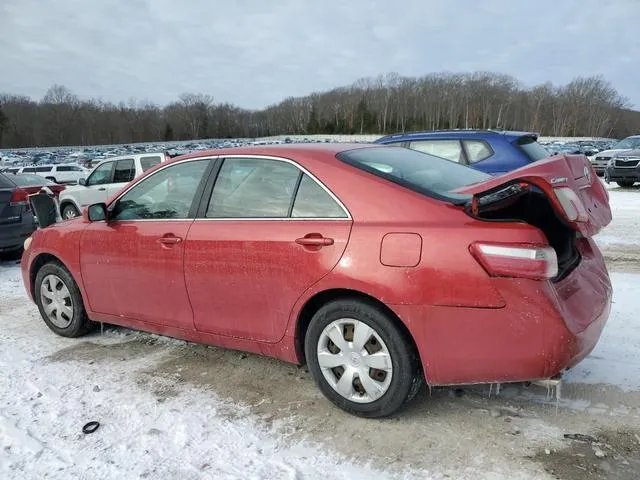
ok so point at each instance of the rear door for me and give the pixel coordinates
(267, 233)
(570, 183)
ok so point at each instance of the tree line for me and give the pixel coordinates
(384, 104)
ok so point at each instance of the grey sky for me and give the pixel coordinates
(257, 52)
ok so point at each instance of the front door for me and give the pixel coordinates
(269, 233)
(95, 188)
(132, 264)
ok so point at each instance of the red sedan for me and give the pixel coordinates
(381, 267)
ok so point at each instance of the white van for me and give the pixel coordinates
(59, 173)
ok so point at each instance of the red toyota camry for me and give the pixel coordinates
(380, 267)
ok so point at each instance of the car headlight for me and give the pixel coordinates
(610, 162)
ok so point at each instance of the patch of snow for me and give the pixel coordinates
(624, 228)
(192, 435)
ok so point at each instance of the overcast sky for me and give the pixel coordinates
(257, 52)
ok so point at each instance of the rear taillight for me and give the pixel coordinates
(571, 204)
(19, 197)
(516, 260)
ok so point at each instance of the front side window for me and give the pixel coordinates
(29, 170)
(149, 162)
(166, 194)
(124, 172)
(449, 149)
(312, 201)
(253, 188)
(101, 175)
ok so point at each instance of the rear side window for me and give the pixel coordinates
(253, 188)
(532, 148)
(149, 162)
(43, 169)
(29, 170)
(125, 171)
(449, 149)
(68, 168)
(477, 150)
(312, 201)
(422, 173)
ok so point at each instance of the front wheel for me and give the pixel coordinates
(360, 359)
(60, 301)
(625, 183)
(69, 211)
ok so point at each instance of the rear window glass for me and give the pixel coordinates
(532, 148)
(27, 180)
(5, 182)
(420, 172)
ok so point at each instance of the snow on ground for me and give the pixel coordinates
(624, 229)
(192, 435)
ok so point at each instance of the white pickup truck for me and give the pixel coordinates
(106, 179)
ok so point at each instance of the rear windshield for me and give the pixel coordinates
(532, 148)
(5, 182)
(420, 172)
(28, 180)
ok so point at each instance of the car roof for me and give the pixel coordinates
(509, 134)
(280, 150)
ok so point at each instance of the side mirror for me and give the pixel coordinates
(82, 181)
(97, 212)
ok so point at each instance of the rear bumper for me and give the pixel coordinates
(543, 330)
(12, 235)
(613, 174)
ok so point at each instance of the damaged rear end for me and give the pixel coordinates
(563, 198)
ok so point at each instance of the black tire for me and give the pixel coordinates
(406, 377)
(80, 323)
(69, 209)
(626, 183)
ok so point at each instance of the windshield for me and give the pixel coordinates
(627, 144)
(420, 172)
(532, 148)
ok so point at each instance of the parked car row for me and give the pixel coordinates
(64, 174)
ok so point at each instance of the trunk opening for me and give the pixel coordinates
(518, 203)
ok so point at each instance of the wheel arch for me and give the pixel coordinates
(317, 301)
(69, 201)
(41, 260)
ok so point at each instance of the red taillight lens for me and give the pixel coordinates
(519, 261)
(19, 197)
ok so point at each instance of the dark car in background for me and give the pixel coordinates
(624, 168)
(492, 152)
(16, 220)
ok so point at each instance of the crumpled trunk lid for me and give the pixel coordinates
(570, 183)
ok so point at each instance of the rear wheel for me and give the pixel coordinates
(360, 359)
(60, 302)
(625, 183)
(53, 179)
(69, 211)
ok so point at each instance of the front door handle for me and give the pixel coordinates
(314, 241)
(169, 240)
(101, 189)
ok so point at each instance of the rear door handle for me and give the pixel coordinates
(169, 240)
(314, 241)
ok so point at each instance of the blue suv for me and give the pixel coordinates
(492, 152)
